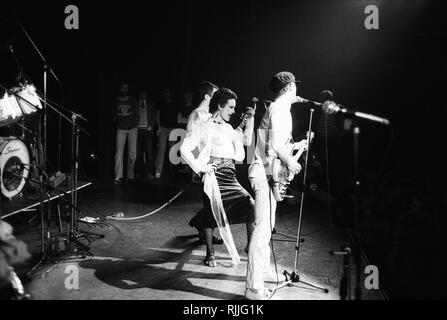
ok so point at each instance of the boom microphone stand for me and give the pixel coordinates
(354, 248)
(294, 277)
(73, 232)
(46, 68)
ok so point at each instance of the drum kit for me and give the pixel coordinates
(17, 105)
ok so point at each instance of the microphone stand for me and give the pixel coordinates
(73, 232)
(43, 254)
(46, 67)
(354, 248)
(294, 277)
(355, 212)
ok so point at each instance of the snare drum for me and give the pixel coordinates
(14, 166)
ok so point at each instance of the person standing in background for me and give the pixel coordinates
(182, 120)
(145, 146)
(166, 122)
(125, 116)
(185, 111)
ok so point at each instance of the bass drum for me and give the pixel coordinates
(14, 169)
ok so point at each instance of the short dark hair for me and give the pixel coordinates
(207, 87)
(220, 98)
(326, 95)
(283, 90)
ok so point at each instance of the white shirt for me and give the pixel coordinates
(212, 140)
(277, 118)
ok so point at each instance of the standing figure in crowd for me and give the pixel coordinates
(274, 133)
(182, 121)
(145, 146)
(186, 109)
(125, 116)
(220, 146)
(166, 122)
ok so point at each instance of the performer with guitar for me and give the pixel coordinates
(274, 137)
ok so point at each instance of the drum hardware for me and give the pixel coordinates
(73, 232)
(73, 228)
(18, 102)
(43, 255)
(15, 104)
(13, 174)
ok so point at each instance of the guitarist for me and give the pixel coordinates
(274, 134)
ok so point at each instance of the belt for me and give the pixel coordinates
(222, 161)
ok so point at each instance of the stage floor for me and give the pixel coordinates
(159, 257)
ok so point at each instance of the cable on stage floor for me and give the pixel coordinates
(152, 212)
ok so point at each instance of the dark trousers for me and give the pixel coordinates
(145, 152)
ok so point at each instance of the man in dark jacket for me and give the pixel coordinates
(126, 116)
(146, 124)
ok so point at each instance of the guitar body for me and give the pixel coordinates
(281, 175)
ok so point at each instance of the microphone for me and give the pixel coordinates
(299, 99)
(331, 107)
(345, 251)
(262, 100)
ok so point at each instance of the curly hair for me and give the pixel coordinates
(220, 98)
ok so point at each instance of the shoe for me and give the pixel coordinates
(210, 261)
(216, 240)
(118, 181)
(261, 294)
(157, 175)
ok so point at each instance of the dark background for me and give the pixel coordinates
(396, 72)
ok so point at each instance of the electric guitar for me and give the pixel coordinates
(281, 175)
